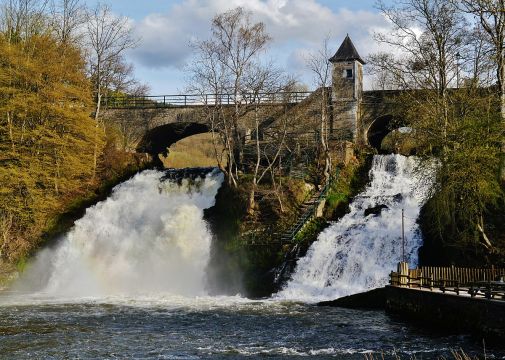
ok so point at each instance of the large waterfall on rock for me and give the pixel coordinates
(148, 237)
(358, 252)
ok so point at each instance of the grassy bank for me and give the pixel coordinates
(194, 151)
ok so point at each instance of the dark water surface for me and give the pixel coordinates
(209, 328)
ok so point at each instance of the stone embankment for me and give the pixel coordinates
(481, 317)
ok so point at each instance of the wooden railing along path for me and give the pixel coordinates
(191, 100)
(476, 282)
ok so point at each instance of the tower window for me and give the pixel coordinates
(348, 73)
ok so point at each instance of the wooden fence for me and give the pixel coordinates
(484, 282)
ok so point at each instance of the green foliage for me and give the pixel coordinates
(466, 148)
(21, 264)
(351, 180)
(309, 232)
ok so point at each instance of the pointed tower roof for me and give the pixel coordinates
(346, 52)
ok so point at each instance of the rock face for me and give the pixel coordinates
(375, 210)
(373, 299)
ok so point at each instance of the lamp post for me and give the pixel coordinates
(403, 235)
(457, 69)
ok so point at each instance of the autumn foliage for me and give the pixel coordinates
(47, 136)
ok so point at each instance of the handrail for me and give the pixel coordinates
(188, 100)
(255, 239)
(307, 215)
(488, 288)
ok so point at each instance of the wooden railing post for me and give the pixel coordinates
(403, 272)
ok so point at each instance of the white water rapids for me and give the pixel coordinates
(357, 253)
(148, 237)
(149, 240)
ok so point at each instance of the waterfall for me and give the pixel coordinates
(148, 237)
(358, 252)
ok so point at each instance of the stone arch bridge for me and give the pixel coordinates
(163, 120)
(356, 116)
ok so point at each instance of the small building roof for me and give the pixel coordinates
(346, 52)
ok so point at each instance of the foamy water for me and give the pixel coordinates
(148, 238)
(358, 253)
(128, 282)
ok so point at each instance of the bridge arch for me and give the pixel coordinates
(381, 127)
(157, 140)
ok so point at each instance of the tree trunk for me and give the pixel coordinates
(11, 134)
(95, 150)
(252, 204)
(324, 136)
(501, 84)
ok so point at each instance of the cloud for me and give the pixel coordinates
(295, 25)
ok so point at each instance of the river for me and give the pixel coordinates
(129, 282)
(210, 328)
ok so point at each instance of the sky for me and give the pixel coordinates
(167, 27)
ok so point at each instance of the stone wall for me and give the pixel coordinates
(481, 317)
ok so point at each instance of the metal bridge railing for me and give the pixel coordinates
(187, 100)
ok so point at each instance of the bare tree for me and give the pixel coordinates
(108, 37)
(491, 16)
(222, 64)
(238, 42)
(382, 77)
(23, 18)
(209, 77)
(67, 16)
(427, 36)
(265, 79)
(477, 63)
(320, 66)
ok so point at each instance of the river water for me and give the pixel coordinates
(128, 282)
(208, 328)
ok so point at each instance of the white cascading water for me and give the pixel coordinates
(148, 237)
(357, 253)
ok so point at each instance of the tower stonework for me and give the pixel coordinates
(347, 91)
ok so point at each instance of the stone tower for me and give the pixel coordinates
(347, 91)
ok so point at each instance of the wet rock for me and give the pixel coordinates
(375, 210)
(190, 174)
(398, 197)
